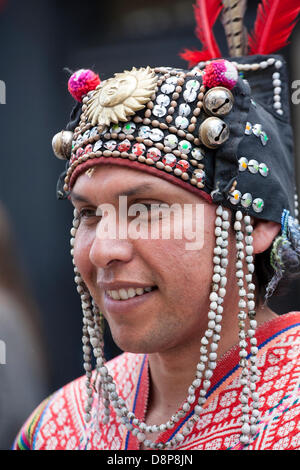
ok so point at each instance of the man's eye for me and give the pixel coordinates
(86, 213)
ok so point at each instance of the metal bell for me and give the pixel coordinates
(218, 101)
(213, 132)
(62, 144)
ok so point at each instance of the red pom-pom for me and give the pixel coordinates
(81, 82)
(220, 73)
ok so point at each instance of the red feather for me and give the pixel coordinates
(206, 14)
(274, 23)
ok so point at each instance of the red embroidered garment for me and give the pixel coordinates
(58, 422)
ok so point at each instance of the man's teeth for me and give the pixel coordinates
(124, 294)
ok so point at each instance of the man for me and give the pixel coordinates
(205, 367)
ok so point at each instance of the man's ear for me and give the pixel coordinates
(263, 234)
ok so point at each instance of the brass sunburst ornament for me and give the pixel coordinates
(121, 96)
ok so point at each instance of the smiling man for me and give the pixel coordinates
(207, 365)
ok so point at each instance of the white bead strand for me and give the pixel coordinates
(253, 375)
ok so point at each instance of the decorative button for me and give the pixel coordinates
(199, 175)
(181, 122)
(110, 145)
(256, 129)
(248, 128)
(197, 153)
(246, 200)
(184, 146)
(169, 159)
(97, 145)
(86, 135)
(163, 100)
(154, 153)
(258, 205)
(124, 146)
(94, 132)
(184, 109)
(171, 141)
(253, 166)
(243, 164)
(156, 135)
(88, 149)
(172, 80)
(263, 169)
(159, 110)
(115, 129)
(190, 95)
(168, 88)
(144, 132)
(182, 165)
(194, 84)
(129, 128)
(264, 138)
(138, 149)
(235, 197)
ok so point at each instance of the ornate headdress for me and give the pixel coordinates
(221, 130)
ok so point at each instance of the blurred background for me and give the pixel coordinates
(40, 320)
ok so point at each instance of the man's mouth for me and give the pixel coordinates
(125, 294)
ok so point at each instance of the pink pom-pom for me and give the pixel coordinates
(220, 73)
(81, 82)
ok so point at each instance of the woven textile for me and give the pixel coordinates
(58, 422)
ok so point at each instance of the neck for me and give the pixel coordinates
(172, 372)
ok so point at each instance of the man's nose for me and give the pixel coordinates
(105, 251)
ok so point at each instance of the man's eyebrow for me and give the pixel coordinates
(78, 197)
(134, 191)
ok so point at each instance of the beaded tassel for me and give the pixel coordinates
(248, 375)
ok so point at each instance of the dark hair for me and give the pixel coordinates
(277, 282)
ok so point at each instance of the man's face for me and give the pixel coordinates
(174, 313)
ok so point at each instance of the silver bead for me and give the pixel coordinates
(62, 144)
